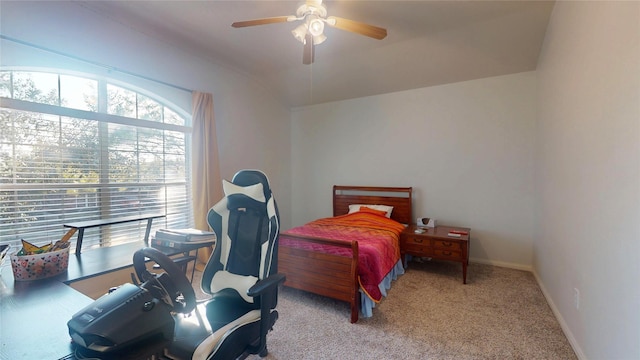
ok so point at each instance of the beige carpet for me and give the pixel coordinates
(429, 314)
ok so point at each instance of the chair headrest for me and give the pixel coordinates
(252, 177)
(250, 197)
(248, 189)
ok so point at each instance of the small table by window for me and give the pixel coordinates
(81, 225)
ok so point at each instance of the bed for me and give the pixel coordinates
(356, 264)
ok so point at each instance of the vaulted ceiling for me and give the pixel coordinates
(428, 43)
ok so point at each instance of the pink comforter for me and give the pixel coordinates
(378, 243)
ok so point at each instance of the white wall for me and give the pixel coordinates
(252, 126)
(588, 175)
(465, 148)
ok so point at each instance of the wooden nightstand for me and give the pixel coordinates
(436, 243)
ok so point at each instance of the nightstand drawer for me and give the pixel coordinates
(416, 244)
(416, 240)
(448, 245)
(418, 249)
(447, 254)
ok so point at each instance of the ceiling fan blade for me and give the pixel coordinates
(357, 27)
(309, 50)
(265, 21)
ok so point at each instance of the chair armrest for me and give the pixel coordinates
(266, 284)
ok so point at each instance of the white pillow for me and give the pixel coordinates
(387, 209)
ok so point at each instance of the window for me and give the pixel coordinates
(75, 148)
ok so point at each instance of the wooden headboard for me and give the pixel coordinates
(398, 197)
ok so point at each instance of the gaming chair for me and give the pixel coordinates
(241, 274)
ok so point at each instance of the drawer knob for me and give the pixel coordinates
(447, 243)
(418, 240)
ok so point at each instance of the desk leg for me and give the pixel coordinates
(147, 232)
(79, 242)
(193, 269)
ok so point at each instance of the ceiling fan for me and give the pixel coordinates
(314, 16)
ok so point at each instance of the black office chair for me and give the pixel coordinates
(241, 275)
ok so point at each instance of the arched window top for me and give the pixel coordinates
(89, 93)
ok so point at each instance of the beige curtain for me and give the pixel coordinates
(205, 175)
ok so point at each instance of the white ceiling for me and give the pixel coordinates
(428, 43)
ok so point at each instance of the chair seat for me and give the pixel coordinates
(225, 311)
(245, 328)
(187, 336)
(225, 306)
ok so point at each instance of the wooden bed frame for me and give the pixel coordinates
(336, 276)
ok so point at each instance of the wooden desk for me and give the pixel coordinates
(34, 314)
(81, 225)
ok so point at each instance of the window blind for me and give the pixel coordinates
(76, 149)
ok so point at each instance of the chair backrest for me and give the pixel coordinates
(246, 223)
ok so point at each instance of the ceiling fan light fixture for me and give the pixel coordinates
(300, 32)
(316, 8)
(316, 26)
(319, 39)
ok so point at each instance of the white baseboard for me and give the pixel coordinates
(502, 264)
(565, 328)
